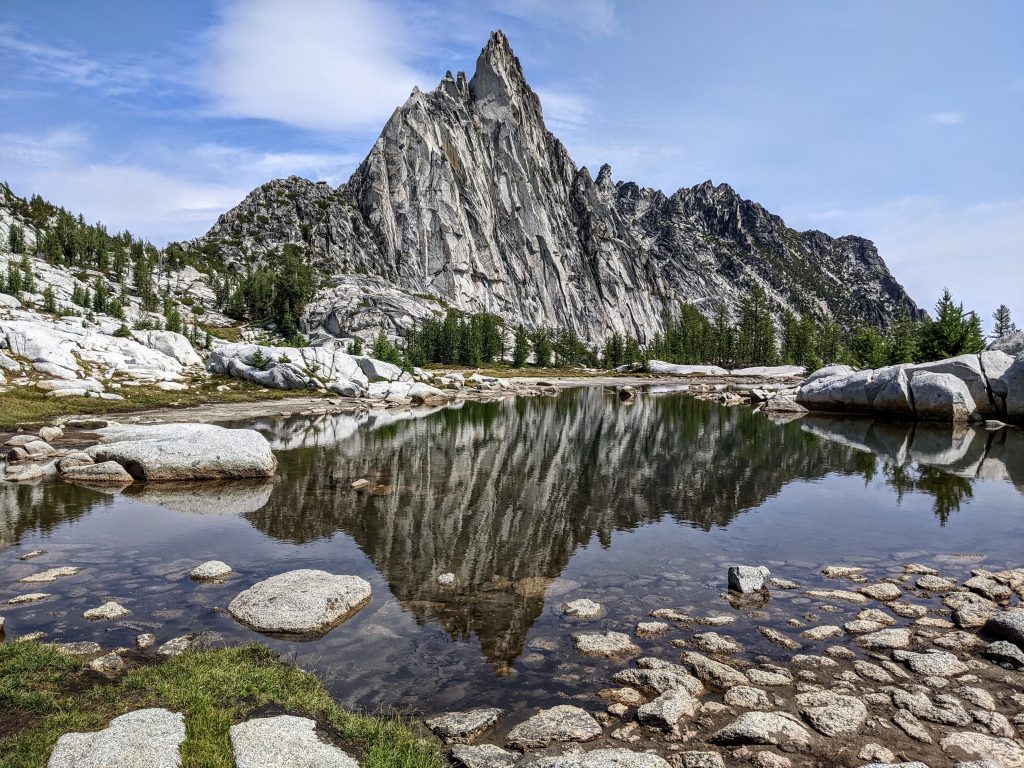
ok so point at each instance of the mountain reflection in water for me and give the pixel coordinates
(501, 494)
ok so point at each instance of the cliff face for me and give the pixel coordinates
(467, 199)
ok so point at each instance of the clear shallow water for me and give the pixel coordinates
(530, 502)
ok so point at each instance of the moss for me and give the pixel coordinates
(28, 406)
(44, 694)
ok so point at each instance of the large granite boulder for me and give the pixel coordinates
(1010, 387)
(172, 344)
(302, 602)
(968, 369)
(185, 452)
(145, 738)
(942, 397)
(1012, 344)
(671, 369)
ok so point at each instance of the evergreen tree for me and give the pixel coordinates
(28, 278)
(830, 348)
(355, 347)
(631, 352)
(16, 238)
(902, 340)
(520, 348)
(100, 295)
(1004, 325)
(869, 348)
(756, 330)
(49, 300)
(953, 332)
(614, 351)
(14, 279)
(384, 349)
(492, 341)
(541, 342)
(724, 336)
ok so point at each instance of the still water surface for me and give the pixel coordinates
(530, 502)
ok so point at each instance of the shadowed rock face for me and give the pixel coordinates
(466, 197)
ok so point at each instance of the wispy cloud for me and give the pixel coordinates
(947, 118)
(564, 111)
(595, 18)
(335, 66)
(68, 64)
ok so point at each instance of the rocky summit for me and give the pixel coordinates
(467, 200)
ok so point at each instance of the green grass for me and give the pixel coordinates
(28, 406)
(44, 694)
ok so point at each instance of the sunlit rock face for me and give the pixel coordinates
(467, 200)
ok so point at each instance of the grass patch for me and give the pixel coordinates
(227, 332)
(28, 406)
(44, 694)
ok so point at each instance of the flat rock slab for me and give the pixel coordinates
(104, 473)
(886, 639)
(1006, 753)
(303, 602)
(582, 609)
(602, 758)
(50, 575)
(832, 714)
(769, 728)
(463, 727)
(483, 756)
(211, 570)
(285, 741)
(561, 723)
(145, 738)
(108, 611)
(610, 644)
(186, 452)
(668, 709)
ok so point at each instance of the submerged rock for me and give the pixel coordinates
(610, 644)
(582, 609)
(109, 611)
(300, 602)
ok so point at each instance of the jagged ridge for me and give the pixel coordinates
(466, 197)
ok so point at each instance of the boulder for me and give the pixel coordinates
(560, 723)
(284, 741)
(968, 369)
(668, 709)
(770, 728)
(482, 756)
(770, 371)
(1007, 625)
(609, 644)
(463, 727)
(211, 570)
(827, 372)
(1011, 387)
(747, 579)
(600, 758)
(831, 713)
(838, 392)
(889, 392)
(185, 452)
(145, 738)
(378, 370)
(302, 602)
(108, 611)
(104, 473)
(1012, 344)
(671, 369)
(172, 344)
(942, 397)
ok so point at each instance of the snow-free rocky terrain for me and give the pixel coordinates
(467, 200)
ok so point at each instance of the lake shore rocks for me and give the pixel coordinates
(284, 741)
(302, 602)
(211, 570)
(564, 722)
(973, 387)
(463, 727)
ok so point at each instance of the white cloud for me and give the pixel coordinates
(974, 249)
(73, 66)
(947, 118)
(564, 111)
(595, 18)
(169, 196)
(315, 64)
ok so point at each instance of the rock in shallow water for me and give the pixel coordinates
(770, 728)
(610, 644)
(482, 756)
(600, 758)
(145, 738)
(463, 727)
(561, 723)
(285, 741)
(747, 579)
(186, 452)
(304, 602)
(211, 570)
(104, 473)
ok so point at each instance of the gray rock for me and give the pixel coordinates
(714, 673)
(1008, 625)
(747, 579)
(942, 397)
(211, 570)
(1006, 753)
(560, 723)
(701, 760)
(931, 662)
(482, 756)
(883, 591)
(145, 738)
(747, 697)
(777, 729)
(885, 639)
(831, 713)
(610, 644)
(712, 642)
(108, 611)
(582, 609)
(107, 664)
(284, 741)
(177, 645)
(304, 602)
(667, 710)
(463, 727)
(186, 452)
(51, 574)
(145, 641)
(1006, 653)
(104, 473)
(83, 648)
(599, 758)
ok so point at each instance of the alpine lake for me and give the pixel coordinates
(530, 502)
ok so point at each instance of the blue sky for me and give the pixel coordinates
(902, 120)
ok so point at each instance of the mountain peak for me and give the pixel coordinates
(498, 72)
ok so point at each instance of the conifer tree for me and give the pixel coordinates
(540, 339)
(953, 332)
(1004, 326)
(520, 348)
(756, 329)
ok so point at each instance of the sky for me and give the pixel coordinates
(898, 120)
